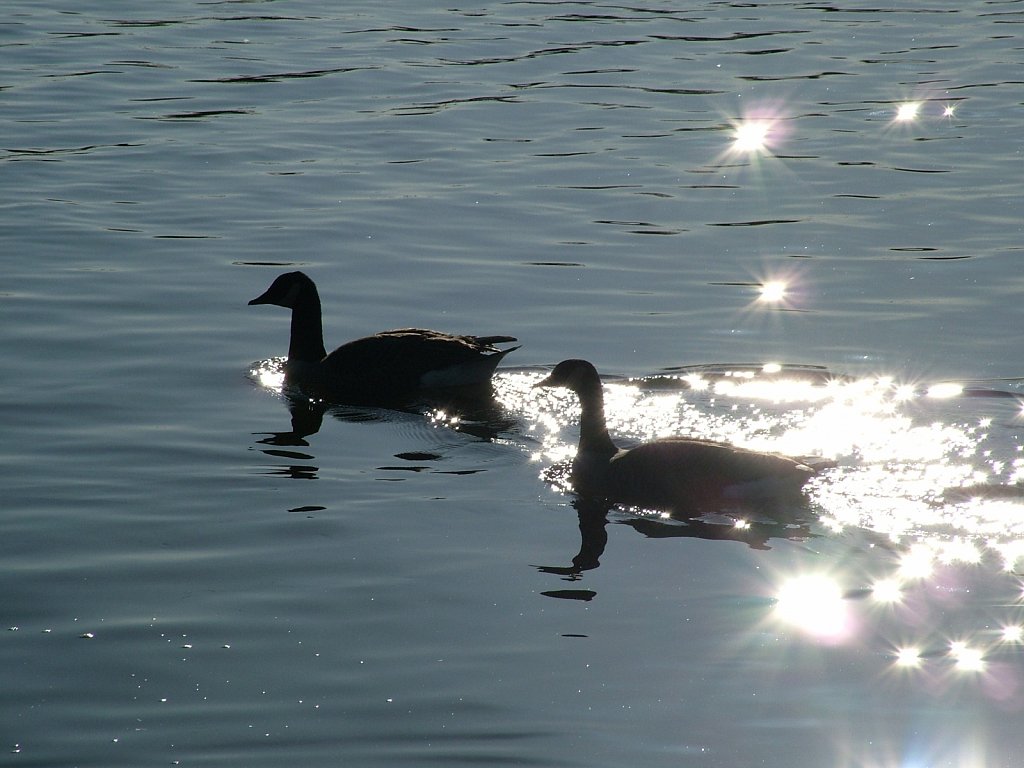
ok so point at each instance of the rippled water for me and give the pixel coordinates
(200, 571)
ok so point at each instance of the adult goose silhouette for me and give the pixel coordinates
(682, 475)
(387, 367)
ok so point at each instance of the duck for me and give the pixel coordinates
(386, 367)
(682, 475)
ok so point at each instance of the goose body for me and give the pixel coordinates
(676, 474)
(386, 367)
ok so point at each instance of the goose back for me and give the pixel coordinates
(402, 361)
(675, 473)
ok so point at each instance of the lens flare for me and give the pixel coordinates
(967, 659)
(917, 563)
(904, 392)
(758, 130)
(1013, 633)
(696, 382)
(773, 291)
(887, 591)
(751, 136)
(908, 657)
(813, 604)
(907, 111)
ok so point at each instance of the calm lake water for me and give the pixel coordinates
(681, 193)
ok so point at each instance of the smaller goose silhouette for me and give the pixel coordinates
(678, 474)
(391, 366)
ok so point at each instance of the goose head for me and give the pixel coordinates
(287, 290)
(578, 375)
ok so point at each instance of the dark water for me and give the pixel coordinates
(185, 582)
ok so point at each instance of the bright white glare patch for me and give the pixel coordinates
(1010, 551)
(907, 111)
(904, 392)
(967, 659)
(443, 418)
(959, 551)
(945, 389)
(887, 591)
(270, 374)
(917, 563)
(949, 110)
(814, 604)
(696, 382)
(751, 136)
(771, 368)
(1013, 633)
(773, 291)
(908, 657)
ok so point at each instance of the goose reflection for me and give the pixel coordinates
(594, 518)
(479, 416)
(476, 413)
(307, 417)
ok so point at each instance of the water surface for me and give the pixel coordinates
(189, 582)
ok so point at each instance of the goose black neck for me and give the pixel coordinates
(594, 437)
(307, 334)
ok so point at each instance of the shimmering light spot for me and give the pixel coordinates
(887, 591)
(945, 389)
(949, 110)
(814, 604)
(270, 374)
(908, 657)
(773, 291)
(959, 551)
(917, 563)
(751, 136)
(771, 368)
(967, 659)
(1010, 551)
(904, 392)
(442, 418)
(1013, 633)
(696, 382)
(907, 111)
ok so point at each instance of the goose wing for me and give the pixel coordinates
(407, 359)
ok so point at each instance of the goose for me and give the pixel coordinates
(389, 366)
(677, 474)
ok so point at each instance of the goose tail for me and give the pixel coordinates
(472, 373)
(495, 340)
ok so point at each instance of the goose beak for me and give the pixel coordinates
(545, 382)
(261, 299)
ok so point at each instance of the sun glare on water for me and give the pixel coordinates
(773, 291)
(751, 136)
(269, 374)
(813, 604)
(927, 478)
(907, 111)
